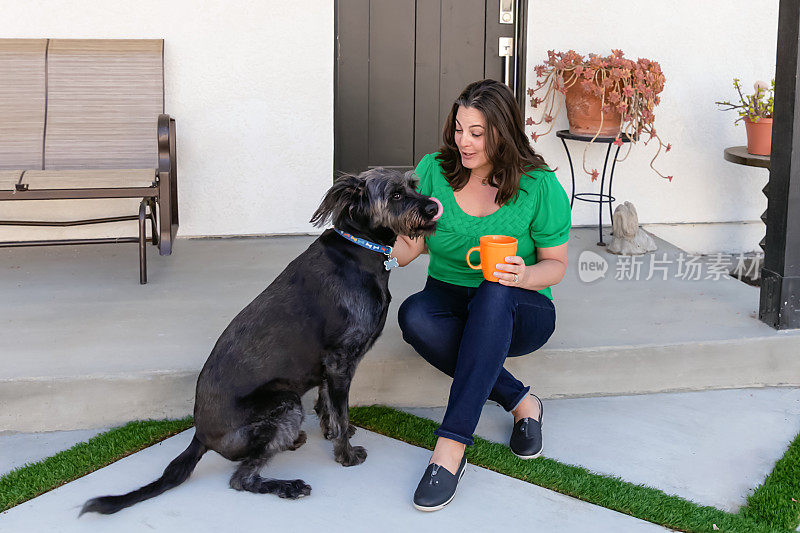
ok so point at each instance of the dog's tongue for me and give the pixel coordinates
(441, 209)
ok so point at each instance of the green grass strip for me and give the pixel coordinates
(777, 500)
(645, 503)
(34, 479)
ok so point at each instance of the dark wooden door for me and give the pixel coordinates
(401, 63)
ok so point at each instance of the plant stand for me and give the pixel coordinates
(603, 197)
(740, 156)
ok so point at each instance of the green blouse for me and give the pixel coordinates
(539, 216)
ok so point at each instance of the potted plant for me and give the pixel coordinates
(608, 96)
(756, 111)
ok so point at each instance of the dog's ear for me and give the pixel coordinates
(411, 178)
(346, 193)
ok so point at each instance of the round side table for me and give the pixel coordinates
(740, 156)
(604, 198)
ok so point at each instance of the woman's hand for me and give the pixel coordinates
(406, 249)
(516, 265)
(549, 269)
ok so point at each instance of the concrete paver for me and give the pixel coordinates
(711, 447)
(374, 495)
(18, 449)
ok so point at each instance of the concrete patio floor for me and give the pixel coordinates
(87, 346)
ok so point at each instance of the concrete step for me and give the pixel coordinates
(86, 346)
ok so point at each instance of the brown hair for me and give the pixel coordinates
(507, 147)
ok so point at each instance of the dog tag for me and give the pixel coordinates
(391, 263)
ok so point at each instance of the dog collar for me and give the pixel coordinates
(390, 263)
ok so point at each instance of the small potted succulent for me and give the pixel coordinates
(605, 96)
(756, 111)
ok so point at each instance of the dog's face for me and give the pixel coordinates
(379, 200)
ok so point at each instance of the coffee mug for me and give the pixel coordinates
(493, 249)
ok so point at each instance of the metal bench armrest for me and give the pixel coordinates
(168, 183)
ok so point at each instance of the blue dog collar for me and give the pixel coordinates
(389, 264)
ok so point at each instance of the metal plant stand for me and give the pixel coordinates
(604, 198)
(740, 156)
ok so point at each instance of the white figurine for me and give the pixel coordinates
(629, 238)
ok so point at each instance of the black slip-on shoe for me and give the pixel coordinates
(526, 437)
(438, 486)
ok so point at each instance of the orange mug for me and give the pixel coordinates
(494, 249)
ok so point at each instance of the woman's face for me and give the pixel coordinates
(470, 136)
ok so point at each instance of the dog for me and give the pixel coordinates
(309, 328)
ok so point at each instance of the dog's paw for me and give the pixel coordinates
(327, 429)
(354, 456)
(296, 488)
(299, 441)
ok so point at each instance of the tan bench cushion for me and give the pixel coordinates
(104, 98)
(22, 101)
(88, 179)
(8, 179)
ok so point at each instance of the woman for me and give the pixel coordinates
(490, 181)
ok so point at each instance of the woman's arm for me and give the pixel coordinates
(406, 249)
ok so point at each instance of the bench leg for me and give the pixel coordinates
(143, 242)
(164, 214)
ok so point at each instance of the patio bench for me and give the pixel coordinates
(84, 119)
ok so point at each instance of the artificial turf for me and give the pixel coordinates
(772, 507)
(34, 479)
(777, 500)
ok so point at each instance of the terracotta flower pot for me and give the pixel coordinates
(759, 136)
(583, 113)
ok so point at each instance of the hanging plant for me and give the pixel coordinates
(627, 91)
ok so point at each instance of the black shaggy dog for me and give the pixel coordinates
(309, 328)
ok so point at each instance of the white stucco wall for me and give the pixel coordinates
(251, 87)
(250, 84)
(701, 47)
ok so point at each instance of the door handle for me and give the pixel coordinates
(506, 51)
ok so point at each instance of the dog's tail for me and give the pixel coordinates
(176, 473)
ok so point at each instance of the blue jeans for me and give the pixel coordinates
(467, 333)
